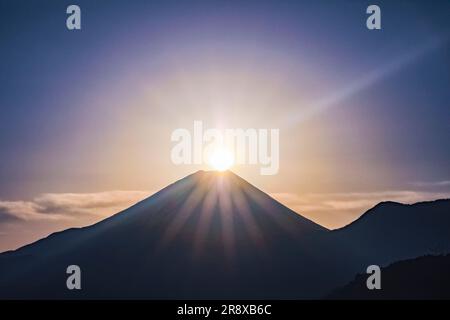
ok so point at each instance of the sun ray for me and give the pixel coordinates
(191, 203)
(241, 205)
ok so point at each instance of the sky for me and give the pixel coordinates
(86, 116)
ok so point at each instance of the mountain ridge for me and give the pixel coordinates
(191, 178)
(215, 236)
(217, 222)
(388, 203)
(425, 277)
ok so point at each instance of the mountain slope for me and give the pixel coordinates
(213, 235)
(209, 235)
(393, 231)
(420, 278)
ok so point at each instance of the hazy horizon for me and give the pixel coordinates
(94, 207)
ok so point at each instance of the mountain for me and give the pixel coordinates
(425, 277)
(393, 231)
(209, 235)
(213, 235)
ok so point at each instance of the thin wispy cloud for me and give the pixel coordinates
(25, 221)
(443, 183)
(51, 206)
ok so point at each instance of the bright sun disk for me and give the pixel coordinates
(221, 159)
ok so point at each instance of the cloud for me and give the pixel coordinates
(6, 217)
(23, 222)
(51, 206)
(16, 210)
(329, 209)
(443, 183)
(87, 203)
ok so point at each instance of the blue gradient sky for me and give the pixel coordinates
(359, 111)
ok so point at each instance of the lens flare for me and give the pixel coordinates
(221, 159)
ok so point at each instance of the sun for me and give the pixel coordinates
(221, 159)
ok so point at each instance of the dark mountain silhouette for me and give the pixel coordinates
(209, 235)
(213, 235)
(393, 231)
(420, 278)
